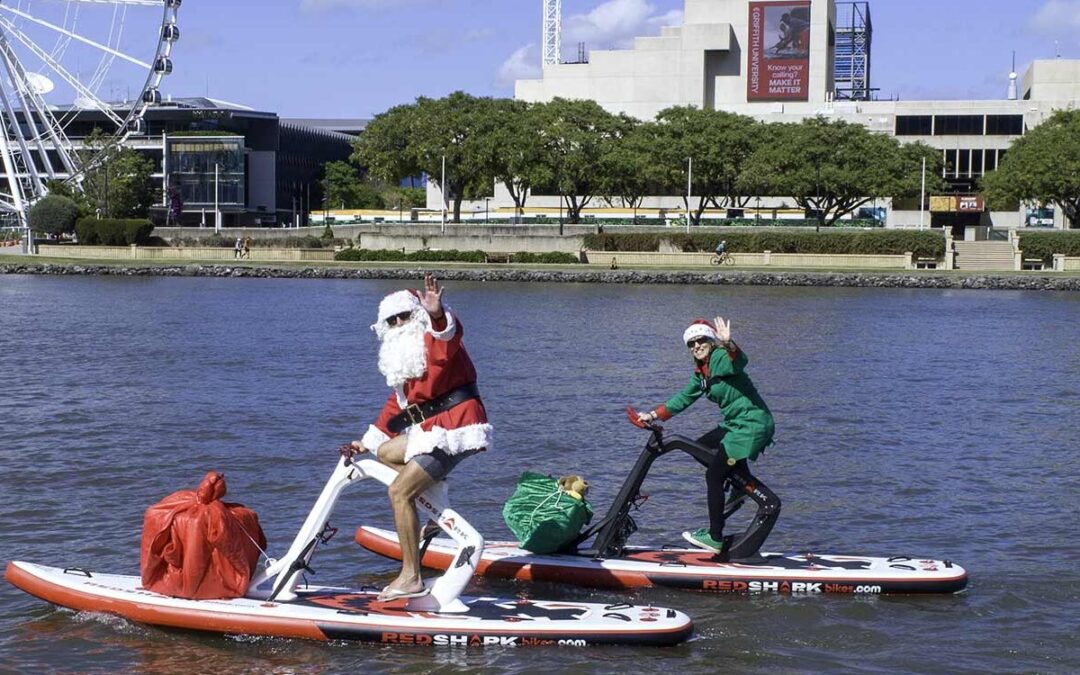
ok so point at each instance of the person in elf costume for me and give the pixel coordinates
(747, 429)
(433, 418)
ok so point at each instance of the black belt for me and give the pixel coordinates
(418, 412)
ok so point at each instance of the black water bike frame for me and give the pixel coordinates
(617, 525)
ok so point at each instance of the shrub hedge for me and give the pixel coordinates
(113, 231)
(225, 241)
(551, 258)
(1045, 244)
(924, 244)
(369, 255)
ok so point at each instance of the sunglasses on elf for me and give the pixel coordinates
(698, 341)
(399, 318)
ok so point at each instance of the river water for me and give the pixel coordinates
(930, 423)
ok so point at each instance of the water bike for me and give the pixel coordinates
(281, 603)
(600, 556)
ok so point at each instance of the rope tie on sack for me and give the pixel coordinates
(558, 492)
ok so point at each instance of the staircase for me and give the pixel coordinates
(984, 255)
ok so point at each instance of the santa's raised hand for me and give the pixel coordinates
(431, 296)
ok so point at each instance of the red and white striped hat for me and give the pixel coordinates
(699, 328)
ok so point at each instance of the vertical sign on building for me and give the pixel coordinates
(778, 51)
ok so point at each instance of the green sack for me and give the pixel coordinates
(543, 517)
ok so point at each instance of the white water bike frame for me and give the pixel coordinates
(278, 581)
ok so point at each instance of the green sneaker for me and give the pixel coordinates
(701, 539)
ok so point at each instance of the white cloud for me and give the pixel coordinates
(523, 64)
(615, 23)
(1056, 17)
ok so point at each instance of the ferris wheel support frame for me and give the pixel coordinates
(44, 133)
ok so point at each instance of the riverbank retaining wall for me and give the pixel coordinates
(714, 277)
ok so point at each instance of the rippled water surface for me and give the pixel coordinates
(920, 422)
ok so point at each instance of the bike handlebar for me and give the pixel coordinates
(632, 415)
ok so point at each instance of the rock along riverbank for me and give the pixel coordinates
(730, 278)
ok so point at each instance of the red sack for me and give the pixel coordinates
(196, 546)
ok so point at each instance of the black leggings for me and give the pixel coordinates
(717, 474)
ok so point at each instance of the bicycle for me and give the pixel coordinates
(724, 258)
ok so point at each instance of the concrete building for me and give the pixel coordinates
(777, 61)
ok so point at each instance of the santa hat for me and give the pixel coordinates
(396, 303)
(699, 328)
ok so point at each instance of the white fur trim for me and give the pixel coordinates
(697, 330)
(453, 441)
(447, 333)
(396, 303)
(373, 438)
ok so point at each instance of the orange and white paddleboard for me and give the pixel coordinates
(696, 569)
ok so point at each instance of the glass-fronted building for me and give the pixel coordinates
(263, 171)
(208, 171)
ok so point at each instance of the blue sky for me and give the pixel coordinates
(356, 58)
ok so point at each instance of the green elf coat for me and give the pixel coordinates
(747, 419)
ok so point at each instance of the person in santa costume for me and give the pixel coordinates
(747, 429)
(433, 418)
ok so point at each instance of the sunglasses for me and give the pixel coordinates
(398, 318)
(698, 341)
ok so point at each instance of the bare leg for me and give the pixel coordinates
(411, 481)
(392, 452)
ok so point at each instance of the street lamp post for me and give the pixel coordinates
(689, 180)
(487, 201)
(442, 187)
(217, 205)
(922, 194)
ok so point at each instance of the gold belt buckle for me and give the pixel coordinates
(414, 414)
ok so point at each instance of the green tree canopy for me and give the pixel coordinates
(1043, 166)
(720, 145)
(53, 214)
(412, 139)
(626, 166)
(831, 167)
(513, 149)
(118, 182)
(344, 188)
(575, 135)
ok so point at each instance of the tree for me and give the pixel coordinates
(1043, 166)
(53, 214)
(384, 147)
(344, 188)
(626, 170)
(412, 139)
(513, 148)
(575, 134)
(719, 143)
(830, 167)
(118, 182)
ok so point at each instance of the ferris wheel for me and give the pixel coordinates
(59, 58)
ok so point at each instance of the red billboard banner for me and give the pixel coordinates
(778, 51)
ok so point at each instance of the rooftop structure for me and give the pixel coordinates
(785, 60)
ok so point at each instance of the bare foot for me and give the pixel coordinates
(398, 589)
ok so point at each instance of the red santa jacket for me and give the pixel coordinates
(462, 427)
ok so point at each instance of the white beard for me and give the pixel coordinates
(403, 352)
